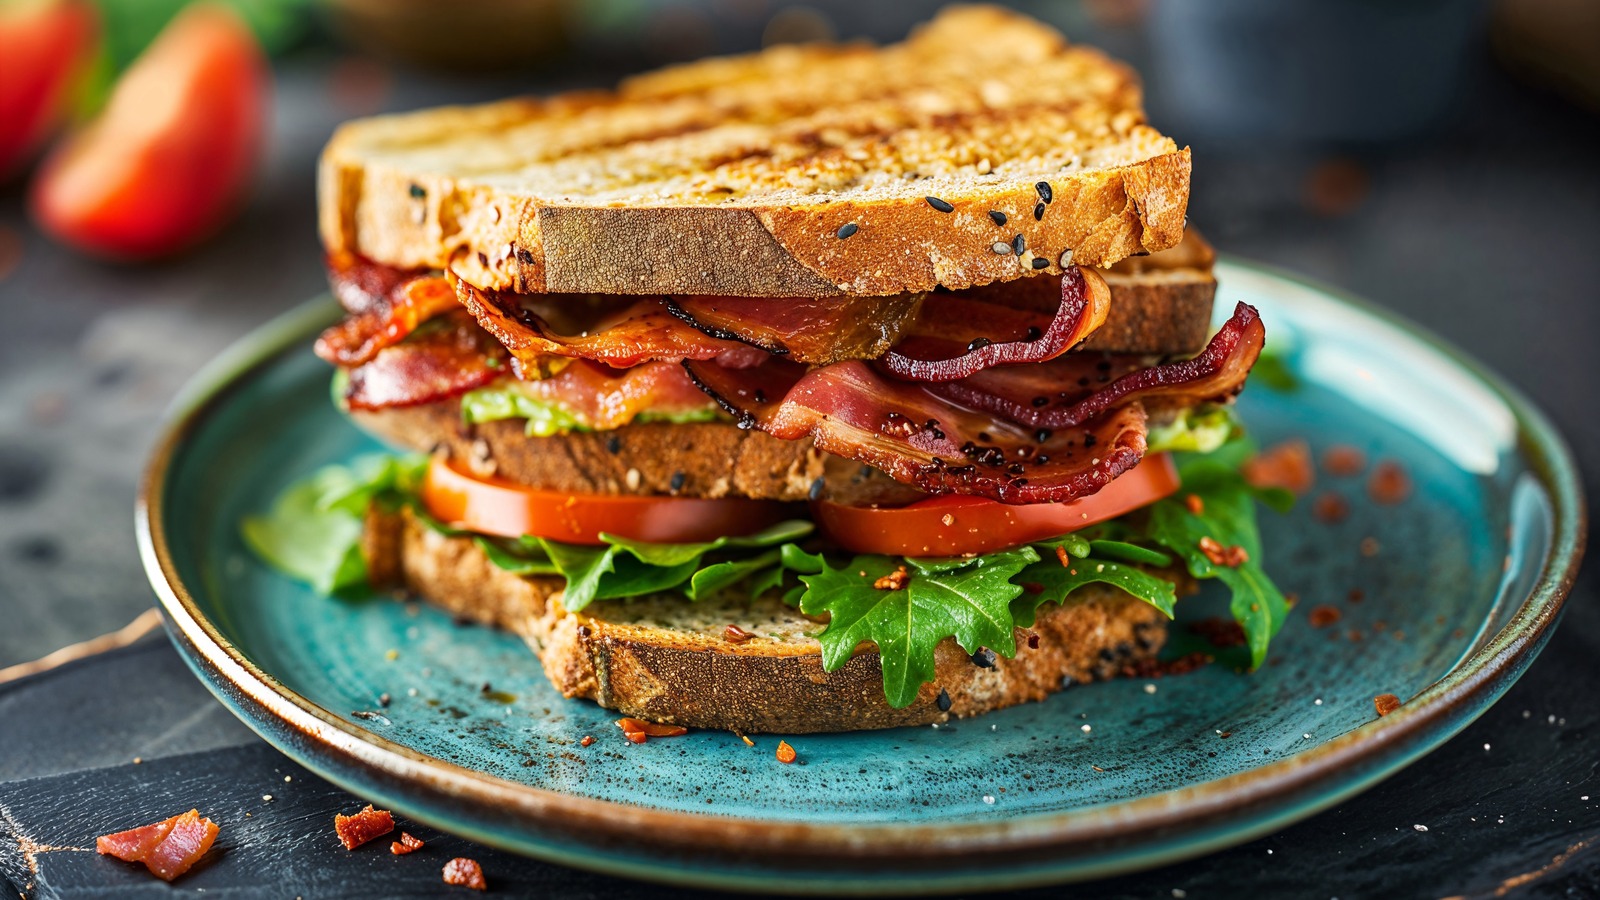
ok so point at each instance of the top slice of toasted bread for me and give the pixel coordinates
(798, 171)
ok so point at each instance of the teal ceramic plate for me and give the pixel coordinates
(1460, 587)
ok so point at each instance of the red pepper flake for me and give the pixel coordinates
(733, 634)
(1033, 587)
(1232, 557)
(587, 740)
(1343, 460)
(1062, 557)
(1369, 547)
(362, 827)
(894, 581)
(406, 844)
(1355, 635)
(463, 872)
(786, 753)
(1219, 632)
(167, 848)
(1286, 465)
(1195, 504)
(1330, 507)
(1324, 615)
(1389, 483)
(1357, 595)
(639, 731)
(1385, 704)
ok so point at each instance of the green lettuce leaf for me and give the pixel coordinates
(965, 599)
(1049, 581)
(313, 530)
(508, 400)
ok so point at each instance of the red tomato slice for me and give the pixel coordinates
(170, 157)
(954, 525)
(42, 45)
(499, 507)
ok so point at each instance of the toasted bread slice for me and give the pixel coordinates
(668, 659)
(798, 171)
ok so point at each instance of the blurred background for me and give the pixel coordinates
(1438, 156)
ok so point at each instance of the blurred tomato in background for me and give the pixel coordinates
(44, 45)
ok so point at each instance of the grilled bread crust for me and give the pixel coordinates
(669, 660)
(797, 171)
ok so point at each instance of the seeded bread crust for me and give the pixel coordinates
(735, 176)
(668, 660)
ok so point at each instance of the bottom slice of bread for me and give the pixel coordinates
(667, 659)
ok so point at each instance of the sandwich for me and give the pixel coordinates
(826, 388)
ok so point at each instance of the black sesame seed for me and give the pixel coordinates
(613, 445)
(676, 484)
(1015, 468)
(1038, 211)
(483, 260)
(978, 344)
(1034, 333)
(998, 216)
(944, 700)
(1040, 262)
(525, 256)
(816, 490)
(847, 229)
(940, 205)
(1042, 435)
(1040, 401)
(417, 192)
(1045, 193)
(1088, 440)
(1019, 244)
(984, 658)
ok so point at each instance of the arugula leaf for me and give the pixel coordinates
(1126, 552)
(1228, 516)
(1056, 582)
(965, 599)
(723, 575)
(313, 530)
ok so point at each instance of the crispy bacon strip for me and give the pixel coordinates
(167, 848)
(805, 329)
(604, 398)
(958, 324)
(381, 324)
(641, 332)
(449, 357)
(1062, 393)
(920, 438)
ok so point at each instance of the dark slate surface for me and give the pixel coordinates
(1486, 233)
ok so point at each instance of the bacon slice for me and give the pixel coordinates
(639, 333)
(969, 328)
(919, 438)
(604, 398)
(386, 321)
(1063, 393)
(167, 848)
(805, 329)
(449, 357)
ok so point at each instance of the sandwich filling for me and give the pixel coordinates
(904, 469)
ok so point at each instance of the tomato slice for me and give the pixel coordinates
(170, 157)
(44, 45)
(503, 508)
(954, 525)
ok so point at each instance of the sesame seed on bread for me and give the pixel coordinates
(797, 171)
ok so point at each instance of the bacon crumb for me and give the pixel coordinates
(1286, 465)
(362, 827)
(1354, 635)
(1385, 704)
(639, 731)
(1061, 555)
(463, 872)
(1218, 632)
(1324, 615)
(786, 753)
(1369, 546)
(1357, 595)
(733, 634)
(1343, 459)
(1195, 504)
(1389, 483)
(894, 581)
(587, 740)
(406, 844)
(167, 848)
(1330, 507)
(1232, 556)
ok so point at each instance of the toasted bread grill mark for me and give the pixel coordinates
(666, 659)
(644, 189)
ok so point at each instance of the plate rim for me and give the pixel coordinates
(594, 820)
